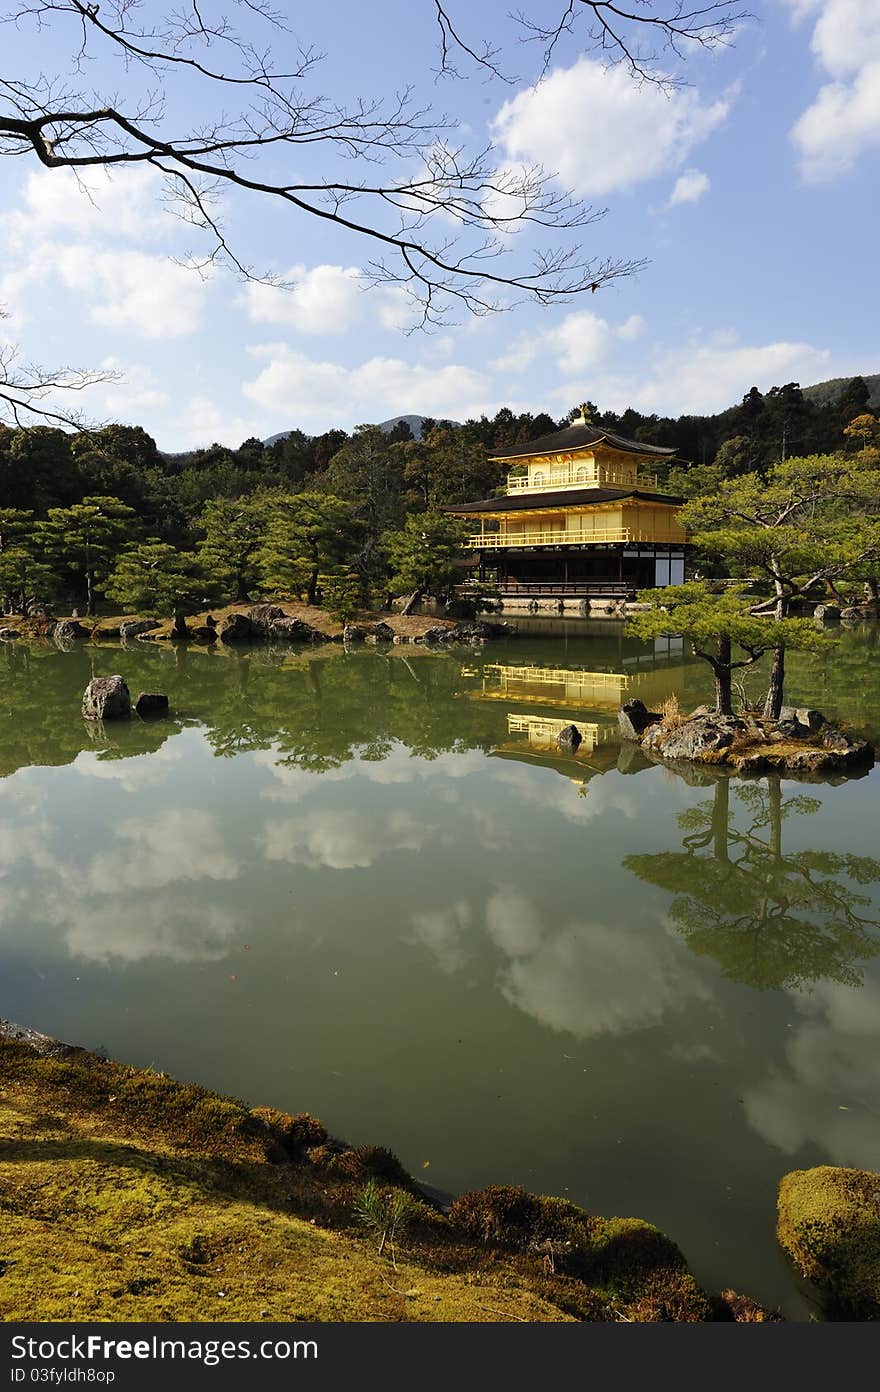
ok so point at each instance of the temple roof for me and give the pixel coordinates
(576, 437)
(559, 499)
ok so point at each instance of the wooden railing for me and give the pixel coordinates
(561, 536)
(580, 478)
(556, 589)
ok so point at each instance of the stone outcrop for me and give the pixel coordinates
(106, 698)
(151, 703)
(204, 633)
(801, 742)
(8, 634)
(383, 633)
(634, 719)
(353, 633)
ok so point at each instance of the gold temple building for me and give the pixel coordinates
(581, 519)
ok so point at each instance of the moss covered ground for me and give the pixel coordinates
(125, 1195)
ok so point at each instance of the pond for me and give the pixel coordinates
(365, 885)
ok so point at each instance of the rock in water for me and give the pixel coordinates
(69, 628)
(827, 613)
(237, 628)
(569, 738)
(106, 698)
(352, 633)
(263, 617)
(693, 738)
(634, 719)
(383, 633)
(151, 703)
(133, 628)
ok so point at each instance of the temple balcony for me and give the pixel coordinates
(569, 536)
(580, 476)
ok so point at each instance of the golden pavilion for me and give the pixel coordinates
(581, 518)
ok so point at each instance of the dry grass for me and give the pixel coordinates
(671, 712)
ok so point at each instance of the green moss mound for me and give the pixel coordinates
(829, 1224)
(125, 1195)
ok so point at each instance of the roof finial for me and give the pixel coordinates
(585, 413)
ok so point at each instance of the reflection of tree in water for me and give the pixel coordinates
(771, 920)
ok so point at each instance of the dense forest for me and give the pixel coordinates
(104, 514)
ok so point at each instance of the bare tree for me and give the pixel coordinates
(438, 216)
(25, 389)
(637, 34)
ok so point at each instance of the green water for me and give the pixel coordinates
(362, 885)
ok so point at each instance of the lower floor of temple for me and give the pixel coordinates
(579, 572)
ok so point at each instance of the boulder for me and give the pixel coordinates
(204, 633)
(383, 633)
(151, 703)
(8, 634)
(792, 728)
(813, 719)
(438, 634)
(827, 613)
(693, 739)
(69, 628)
(133, 628)
(237, 628)
(854, 613)
(352, 633)
(829, 1225)
(569, 739)
(634, 719)
(263, 617)
(106, 698)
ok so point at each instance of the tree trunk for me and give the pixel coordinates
(412, 601)
(776, 689)
(723, 683)
(90, 598)
(873, 590)
(312, 588)
(180, 629)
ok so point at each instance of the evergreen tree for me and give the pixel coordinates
(155, 578)
(425, 555)
(86, 539)
(309, 539)
(720, 629)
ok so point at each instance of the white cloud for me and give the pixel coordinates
(601, 132)
(293, 386)
(97, 203)
(342, 840)
(689, 187)
(706, 376)
(580, 341)
(326, 300)
(843, 122)
(150, 295)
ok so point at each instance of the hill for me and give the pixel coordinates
(823, 393)
(415, 424)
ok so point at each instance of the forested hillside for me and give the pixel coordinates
(103, 513)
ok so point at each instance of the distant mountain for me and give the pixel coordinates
(823, 393)
(415, 424)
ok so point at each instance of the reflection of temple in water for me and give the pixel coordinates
(569, 688)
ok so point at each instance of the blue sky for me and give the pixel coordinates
(751, 192)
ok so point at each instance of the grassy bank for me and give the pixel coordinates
(125, 1195)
